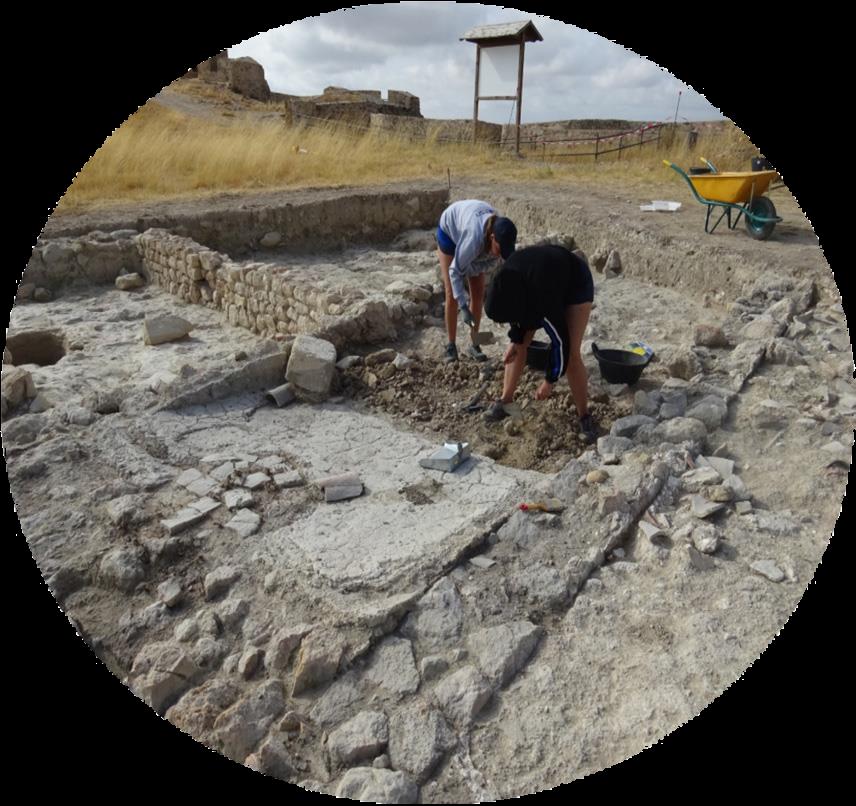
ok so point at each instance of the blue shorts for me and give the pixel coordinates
(446, 244)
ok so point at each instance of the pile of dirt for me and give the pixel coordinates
(431, 396)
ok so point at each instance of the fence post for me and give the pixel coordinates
(620, 146)
(596, 146)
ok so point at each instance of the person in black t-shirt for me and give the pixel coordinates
(545, 287)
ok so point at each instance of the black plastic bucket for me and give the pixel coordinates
(620, 366)
(538, 354)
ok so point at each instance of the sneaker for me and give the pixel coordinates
(588, 427)
(496, 412)
(451, 353)
(475, 352)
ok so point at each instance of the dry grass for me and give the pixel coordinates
(160, 153)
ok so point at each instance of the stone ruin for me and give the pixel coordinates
(287, 585)
(244, 75)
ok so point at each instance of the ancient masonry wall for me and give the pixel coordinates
(266, 298)
(96, 258)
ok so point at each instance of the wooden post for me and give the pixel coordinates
(596, 146)
(519, 93)
(620, 146)
(476, 99)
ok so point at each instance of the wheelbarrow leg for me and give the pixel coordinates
(726, 212)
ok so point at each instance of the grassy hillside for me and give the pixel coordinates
(163, 153)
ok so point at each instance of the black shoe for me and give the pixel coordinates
(451, 353)
(588, 428)
(496, 412)
(475, 352)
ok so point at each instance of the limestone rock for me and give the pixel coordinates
(501, 652)
(161, 672)
(705, 538)
(371, 785)
(380, 357)
(611, 448)
(694, 480)
(17, 386)
(541, 585)
(311, 365)
(628, 426)
(683, 363)
(711, 410)
(438, 617)
(237, 499)
(596, 476)
(245, 523)
(763, 328)
(272, 759)
(162, 329)
(270, 239)
(127, 510)
(283, 643)
(768, 569)
(242, 726)
(702, 508)
(418, 739)
(647, 403)
(320, 655)
(128, 282)
(462, 695)
(362, 737)
(123, 568)
(709, 336)
(220, 580)
(681, 429)
(197, 710)
(170, 592)
(249, 661)
(393, 668)
(336, 704)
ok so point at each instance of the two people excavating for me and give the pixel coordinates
(537, 287)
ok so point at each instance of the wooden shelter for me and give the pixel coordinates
(503, 42)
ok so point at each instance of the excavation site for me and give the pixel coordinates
(278, 515)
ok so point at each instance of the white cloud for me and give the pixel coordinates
(415, 47)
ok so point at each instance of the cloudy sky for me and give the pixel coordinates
(415, 47)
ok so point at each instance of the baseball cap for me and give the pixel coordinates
(506, 235)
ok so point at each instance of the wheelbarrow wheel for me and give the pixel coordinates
(761, 207)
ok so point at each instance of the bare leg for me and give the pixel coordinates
(451, 311)
(514, 368)
(477, 299)
(577, 317)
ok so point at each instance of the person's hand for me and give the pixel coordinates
(544, 391)
(468, 316)
(510, 354)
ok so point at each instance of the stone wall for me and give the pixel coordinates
(269, 299)
(428, 128)
(331, 222)
(95, 258)
(352, 106)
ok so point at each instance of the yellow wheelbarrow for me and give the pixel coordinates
(734, 191)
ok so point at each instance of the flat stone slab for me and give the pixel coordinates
(256, 480)
(245, 523)
(235, 499)
(190, 515)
